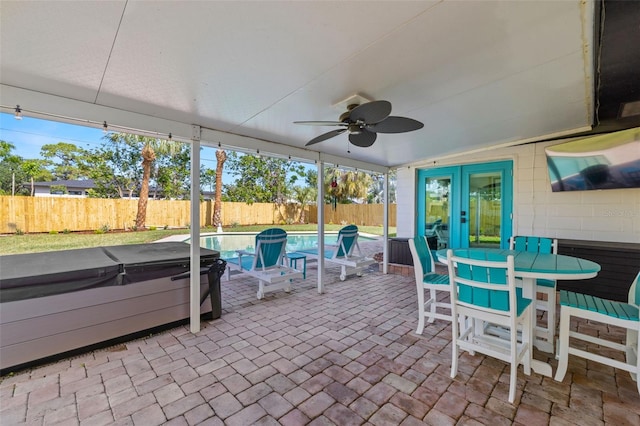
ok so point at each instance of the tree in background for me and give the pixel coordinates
(65, 160)
(171, 174)
(5, 149)
(304, 195)
(149, 148)
(114, 168)
(376, 189)
(35, 170)
(261, 179)
(221, 157)
(346, 186)
(207, 179)
(15, 172)
(10, 171)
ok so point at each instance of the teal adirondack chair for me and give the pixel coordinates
(345, 252)
(266, 263)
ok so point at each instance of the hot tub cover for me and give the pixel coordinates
(26, 276)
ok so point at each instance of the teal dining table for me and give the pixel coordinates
(529, 267)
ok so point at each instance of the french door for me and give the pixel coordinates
(466, 206)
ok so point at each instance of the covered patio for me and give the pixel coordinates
(347, 357)
(490, 80)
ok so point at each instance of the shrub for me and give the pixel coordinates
(152, 228)
(66, 231)
(19, 231)
(53, 232)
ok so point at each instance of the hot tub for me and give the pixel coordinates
(55, 302)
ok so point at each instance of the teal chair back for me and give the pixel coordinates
(533, 244)
(270, 247)
(473, 277)
(423, 255)
(347, 238)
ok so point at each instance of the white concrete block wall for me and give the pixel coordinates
(406, 202)
(602, 215)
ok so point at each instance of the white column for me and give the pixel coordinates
(195, 231)
(320, 204)
(385, 224)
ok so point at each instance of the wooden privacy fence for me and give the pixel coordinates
(47, 214)
(358, 214)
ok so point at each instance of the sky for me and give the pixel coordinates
(30, 134)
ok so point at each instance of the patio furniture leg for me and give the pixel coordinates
(563, 344)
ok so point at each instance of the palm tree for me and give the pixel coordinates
(347, 185)
(149, 147)
(304, 195)
(221, 157)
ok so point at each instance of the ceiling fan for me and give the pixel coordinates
(363, 122)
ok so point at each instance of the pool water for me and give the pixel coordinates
(227, 244)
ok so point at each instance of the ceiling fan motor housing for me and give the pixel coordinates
(344, 117)
(354, 128)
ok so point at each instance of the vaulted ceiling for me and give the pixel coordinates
(476, 73)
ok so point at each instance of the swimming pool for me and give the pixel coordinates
(228, 243)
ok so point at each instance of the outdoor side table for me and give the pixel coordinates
(293, 262)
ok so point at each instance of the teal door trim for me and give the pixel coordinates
(459, 199)
(453, 173)
(505, 168)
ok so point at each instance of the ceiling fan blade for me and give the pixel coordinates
(325, 136)
(395, 125)
(371, 112)
(321, 123)
(363, 139)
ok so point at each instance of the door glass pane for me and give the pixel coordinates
(437, 211)
(484, 216)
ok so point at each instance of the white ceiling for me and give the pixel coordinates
(476, 73)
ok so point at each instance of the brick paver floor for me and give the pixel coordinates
(346, 357)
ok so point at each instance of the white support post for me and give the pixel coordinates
(320, 204)
(194, 294)
(385, 224)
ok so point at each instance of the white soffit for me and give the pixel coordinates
(475, 73)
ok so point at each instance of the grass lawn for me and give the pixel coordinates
(31, 243)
